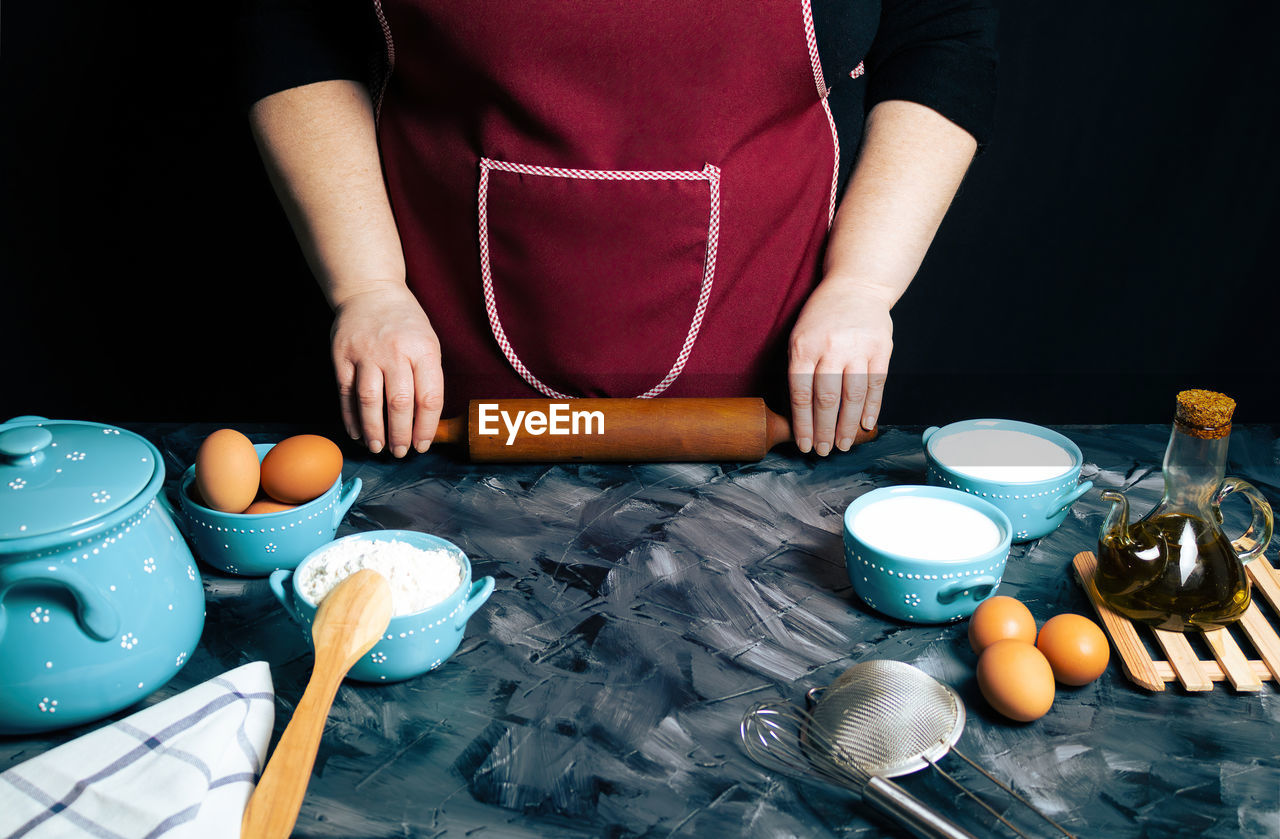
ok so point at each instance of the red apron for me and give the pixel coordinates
(608, 199)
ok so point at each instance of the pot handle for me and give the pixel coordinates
(23, 446)
(480, 591)
(350, 491)
(279, 580)
(97, 618)
(949, 592)
(1065, 502)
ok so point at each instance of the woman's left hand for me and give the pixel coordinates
(838, 361)
(911, 162)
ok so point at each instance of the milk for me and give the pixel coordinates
(925, 528)
(1001, 455)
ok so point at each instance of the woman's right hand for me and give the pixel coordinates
(387, 360)
(320, 147)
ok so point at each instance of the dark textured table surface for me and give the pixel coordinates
(641, 609)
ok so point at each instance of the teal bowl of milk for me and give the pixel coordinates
(924, 554)
(1030, 472)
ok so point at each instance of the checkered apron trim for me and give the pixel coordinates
(709, 173)
(381, 66)
(811, 39)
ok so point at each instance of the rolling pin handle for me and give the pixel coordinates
(777, 429)
(451, 430)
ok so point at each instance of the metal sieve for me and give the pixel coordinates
(887, 717)
(878, 720)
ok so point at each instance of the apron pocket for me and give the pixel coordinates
(596, 281)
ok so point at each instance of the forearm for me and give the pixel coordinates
(910, 166)
(319, 145)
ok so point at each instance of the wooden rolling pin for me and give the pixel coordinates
(557, 430)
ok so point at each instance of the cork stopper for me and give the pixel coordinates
(1204, 413)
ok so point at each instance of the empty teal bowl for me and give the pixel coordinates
(413, 644)
(914, 584)
(1035, 505)
(255, 545)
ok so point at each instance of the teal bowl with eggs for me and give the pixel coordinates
(413, 643)
(924, 554)
(255, 544)
(1030, 472)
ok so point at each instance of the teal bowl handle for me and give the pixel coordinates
(480, 591)
(96, 616)
(928, 432)
(278, 581)
(350, 492)
(1067, 500)
(949, 592)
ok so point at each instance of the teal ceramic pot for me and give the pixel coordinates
(933, 590)
(413, 644)
(255, 545)
(1035, 507)
(100, 599)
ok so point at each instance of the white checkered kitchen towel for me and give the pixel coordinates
(184, 767)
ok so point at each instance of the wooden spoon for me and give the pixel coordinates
(348, 623)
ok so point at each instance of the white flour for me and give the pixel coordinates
(419, 578)
(926, 528)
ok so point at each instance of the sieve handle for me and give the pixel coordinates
(908, 811)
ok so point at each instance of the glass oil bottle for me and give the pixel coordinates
(1176, 569)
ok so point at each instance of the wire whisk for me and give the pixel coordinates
(878, 720)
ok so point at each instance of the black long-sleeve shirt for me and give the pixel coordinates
(938, 53)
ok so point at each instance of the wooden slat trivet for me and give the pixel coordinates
(1238, 668)
(1229, 662)
(1266, 579)
(1183, 660)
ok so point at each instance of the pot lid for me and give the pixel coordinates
(61, 474)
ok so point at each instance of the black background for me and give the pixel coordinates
(1111, 247)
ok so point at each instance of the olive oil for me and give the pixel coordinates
(1176, 573)
(1176, 569)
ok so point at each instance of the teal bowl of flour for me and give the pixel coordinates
(924, 554)
(1030, 472)
(421, 569)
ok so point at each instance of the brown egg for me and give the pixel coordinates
(300, 468)
(1016, 680)
(267, 505)
(227, 471)
(998, 618)
(1076, 648)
